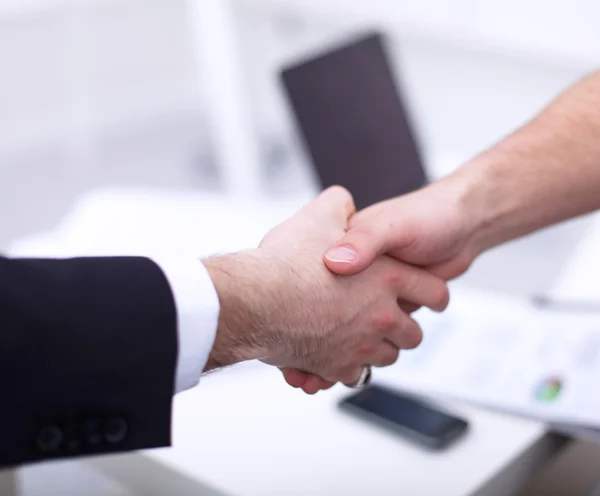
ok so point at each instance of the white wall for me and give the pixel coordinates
(104, 65)
(568, 29)
(466, 65)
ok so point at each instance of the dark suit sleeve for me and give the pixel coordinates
(88, 351)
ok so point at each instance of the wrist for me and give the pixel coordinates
(480, 209)
(245, 288)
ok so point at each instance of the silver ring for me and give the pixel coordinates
(364, 379)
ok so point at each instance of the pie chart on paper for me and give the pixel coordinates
(548, 391)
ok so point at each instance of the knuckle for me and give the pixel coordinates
(394, 278)
(336, 189)
(341, 195)
(408, 281)
(366, 351)
(385, 321)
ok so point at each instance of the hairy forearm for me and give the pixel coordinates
(246, 283)
(234, 341)
(546, 172)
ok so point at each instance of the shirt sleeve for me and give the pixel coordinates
(197, 305)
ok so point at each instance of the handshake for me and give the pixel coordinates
(329, 292)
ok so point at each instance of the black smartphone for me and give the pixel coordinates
(352, 117)
(407, 416)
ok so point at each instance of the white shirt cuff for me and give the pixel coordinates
(197, 305)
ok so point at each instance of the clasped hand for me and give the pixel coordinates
(343, 322)
(330, 291)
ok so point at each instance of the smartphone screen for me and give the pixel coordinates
(406, 415)
(353, 121)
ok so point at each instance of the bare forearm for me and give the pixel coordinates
(546, 172)
(241, 335)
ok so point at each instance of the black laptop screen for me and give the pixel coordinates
(352, 119)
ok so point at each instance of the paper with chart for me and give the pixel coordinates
(509, 355)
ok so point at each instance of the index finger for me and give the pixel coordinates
(417, 286)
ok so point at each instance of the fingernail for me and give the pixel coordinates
(343, 254)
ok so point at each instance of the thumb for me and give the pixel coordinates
(363, 243)
(334, 205)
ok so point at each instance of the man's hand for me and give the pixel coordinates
(431, 228)
(281, 304)
(544, 173)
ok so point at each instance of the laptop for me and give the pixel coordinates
(353, 121)
(351, 116)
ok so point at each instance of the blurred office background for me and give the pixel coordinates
(144, 92)
(127, 92)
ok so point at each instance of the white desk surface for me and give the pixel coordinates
(244, 431)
